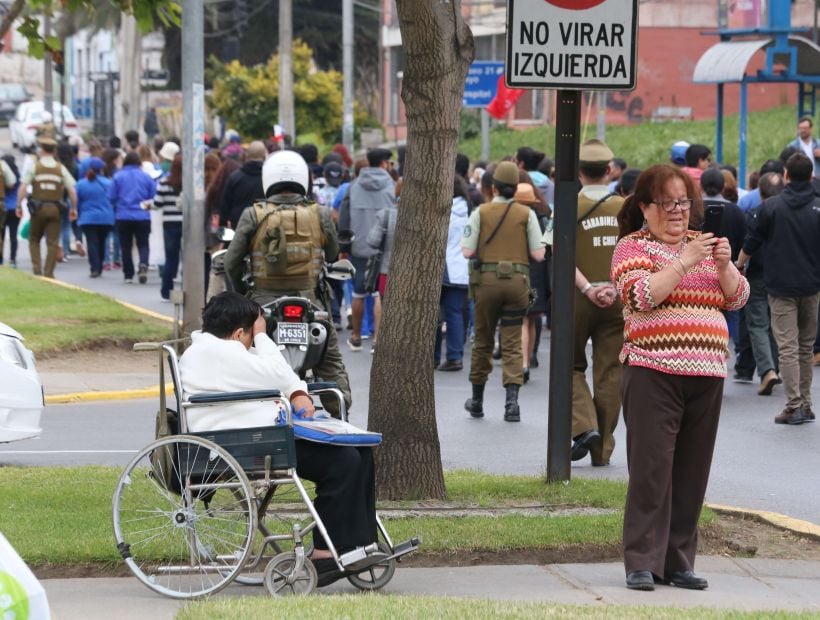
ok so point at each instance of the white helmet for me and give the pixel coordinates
(285, 171)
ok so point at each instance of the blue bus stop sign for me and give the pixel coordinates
(481, 83)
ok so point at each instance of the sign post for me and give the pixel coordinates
(569, 45)
(479, 89)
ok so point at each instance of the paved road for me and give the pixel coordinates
(757, 464)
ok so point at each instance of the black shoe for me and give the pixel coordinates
(451, 365)
(743, 378)
(808, 414)
(534, 361)
(640, 580)
(684, 579)
(475, 405)
(526, 374)
(583, 442)
(512, 413)
(790, 416)
(497, 353)
(143, 274)
(327, 571)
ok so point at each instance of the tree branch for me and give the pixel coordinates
(12, 13)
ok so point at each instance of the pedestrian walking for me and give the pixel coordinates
(168, 201)
(96, 215)
(8, 214)
(674, 284)
(789, 224)
(499, 238)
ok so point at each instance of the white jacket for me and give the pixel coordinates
(214, 364)
(456, 263)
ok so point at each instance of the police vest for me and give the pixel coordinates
(510, 243)
(47, 185)
(286, 249)
(596, 236)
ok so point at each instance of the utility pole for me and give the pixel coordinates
(129, 60)
(347, 72)
(286, 114)
(601, 129)
(48, 82)
(193, 165)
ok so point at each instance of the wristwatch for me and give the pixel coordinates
(585, 288)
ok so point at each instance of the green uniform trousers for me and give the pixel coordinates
(599, 408)
(504, 301)
(47, 221)
(332, 367)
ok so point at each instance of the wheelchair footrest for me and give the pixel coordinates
(408, 546)
(357, 556)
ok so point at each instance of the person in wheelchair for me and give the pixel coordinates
(233, 353)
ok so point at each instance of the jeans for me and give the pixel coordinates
(451, 309)
(172, 234)
(744, 352)
(794, 322)
(129, 231)
(95, 236)
(113, 253)
(758, 323)
(11, 224)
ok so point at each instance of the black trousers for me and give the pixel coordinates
(130, 231)
(671, 425)
(345, 492)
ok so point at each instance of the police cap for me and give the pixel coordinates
(594, 151)
(506, 172)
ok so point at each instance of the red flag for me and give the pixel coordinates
(504, 99)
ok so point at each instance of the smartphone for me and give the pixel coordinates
(712, 219)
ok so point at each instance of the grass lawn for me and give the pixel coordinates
(52, 317)
(63, 515)
(649, 143)
(387, 607)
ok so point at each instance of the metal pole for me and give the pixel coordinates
(601, 131)
(741, 168)
(286, 114)
(485, 134)
(193, 164)
(48, 82)
(347, 64)
(559, 436)
(719, 129)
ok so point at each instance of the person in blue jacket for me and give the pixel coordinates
(96, 215)
(132, 192)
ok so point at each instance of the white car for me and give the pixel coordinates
(23, 126)
(21, 393)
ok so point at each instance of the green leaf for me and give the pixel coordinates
(54, 43)
(36, 48)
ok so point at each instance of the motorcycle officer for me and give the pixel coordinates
(288, 238)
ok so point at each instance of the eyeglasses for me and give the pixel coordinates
(669, 205)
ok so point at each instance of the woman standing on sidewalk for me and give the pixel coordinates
(96, 218)
(131, 193)
(169, 201)
(674, 284)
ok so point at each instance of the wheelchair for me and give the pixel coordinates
(196, 511)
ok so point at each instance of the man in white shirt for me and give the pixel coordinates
(233, 353)
(806, 143)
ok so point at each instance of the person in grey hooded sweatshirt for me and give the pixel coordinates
(372, 191)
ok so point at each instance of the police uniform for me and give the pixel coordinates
(49, 181)
(500, 286)
(596, 237)
(309, 239)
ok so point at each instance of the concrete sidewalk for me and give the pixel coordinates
(737, 584)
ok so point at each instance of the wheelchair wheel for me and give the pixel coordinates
(376, 576)
(184, 517)
(282, 580)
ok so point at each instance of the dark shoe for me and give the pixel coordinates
(743, 378)
(600, 463)
(328, 571)
(94, 274)
(808, 414)
(497, 353)
(355, 344)
(526, 373)
(534, 361)
(451, 365)
(583, 442)
(475, 405)
(684, 579)
(512, 413)
(790, 416)
(143, 274)
(767, 383)
(640, 580)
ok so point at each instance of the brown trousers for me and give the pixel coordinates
(47, 221)
(671, 424)
(597, 409)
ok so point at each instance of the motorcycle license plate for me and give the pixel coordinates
(292, 333)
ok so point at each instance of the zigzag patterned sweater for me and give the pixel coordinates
(686, 333)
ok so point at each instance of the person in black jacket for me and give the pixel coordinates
(789, 224)
(244, 187)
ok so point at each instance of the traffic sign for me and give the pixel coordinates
(572, 44)
(481, 83)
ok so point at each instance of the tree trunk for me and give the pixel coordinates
(130, 64)
(12, 13)
(439, 49)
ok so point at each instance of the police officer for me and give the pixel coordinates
(288, 238)
(598, 313)
(499, 238)
(49, 181)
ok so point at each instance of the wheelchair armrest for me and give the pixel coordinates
(222, 397)
(322, 385)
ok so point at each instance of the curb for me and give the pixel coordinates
(139, 310)
(806, 529)
(77, 397)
